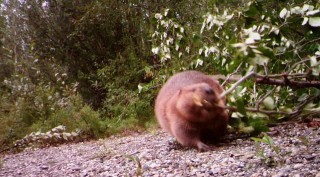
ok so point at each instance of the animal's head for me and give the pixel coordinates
(197, 100)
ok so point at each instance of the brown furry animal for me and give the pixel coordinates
(189, 108)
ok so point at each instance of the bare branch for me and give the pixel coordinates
(297, 111)
(235, 85)
(287, 82)
(302, 61)
(268, 112)
(264, 97)
(312, 41)
(229, 76)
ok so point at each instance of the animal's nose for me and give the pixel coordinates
(209, 90)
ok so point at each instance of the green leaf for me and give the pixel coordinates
(303, 97)
(269, 103)
(304, 140)
(314, 21)
(267, 139)
(247, 129)
(305, 20)
(260, 60)
(276, 149)
(256, 139)
(283, 13)
(259, 125)
(240, 106)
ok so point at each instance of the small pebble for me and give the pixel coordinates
(297, 166)
(158, 154)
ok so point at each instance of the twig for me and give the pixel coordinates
(300, 107)
(298, 48)
(265, 69)
(267, 79)
(269, 112)
(227, 79)
(296, 64)
(264, 97)
(237, 84)
(281, 75)
(312, 41)
(302, 60)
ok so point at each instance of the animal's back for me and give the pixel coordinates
(173, 85)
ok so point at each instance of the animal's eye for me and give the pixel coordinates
(209, 90)
(194, 89)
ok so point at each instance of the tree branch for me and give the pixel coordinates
(268, 112)
(263, 98)
(300, 107)
(270, 80)
(230, 75)
(286, 82)
(235, 85)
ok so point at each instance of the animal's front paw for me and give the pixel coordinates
(203, 147)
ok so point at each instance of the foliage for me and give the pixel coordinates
(275, 157)
(136, 160)
(66, 50)
(278, 47)
(42, 113)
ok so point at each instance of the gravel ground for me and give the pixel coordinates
(157, 154)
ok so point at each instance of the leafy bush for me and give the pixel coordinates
(275, 46)
(125, 109)
(30, 108)
(98, 65)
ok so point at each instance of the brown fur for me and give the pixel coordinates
(189, 108)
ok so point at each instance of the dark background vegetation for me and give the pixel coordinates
(79, 63)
